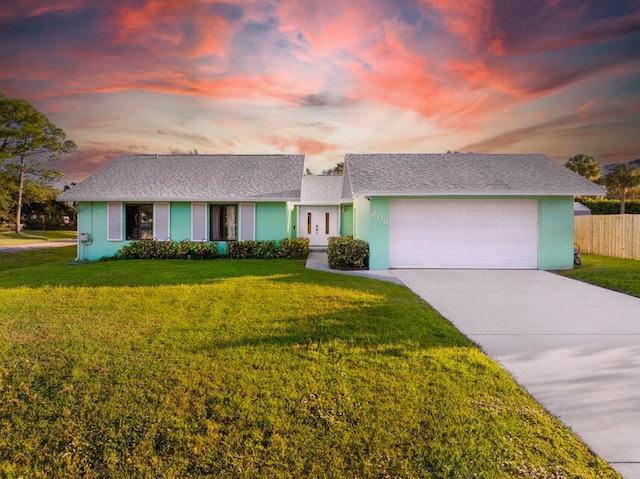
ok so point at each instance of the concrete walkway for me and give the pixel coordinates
(575, 347)
(318, 260)
(38, 245)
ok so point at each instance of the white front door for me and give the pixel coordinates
(318, 223)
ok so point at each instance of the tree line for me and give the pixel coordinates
(28, 140)
(621, 181)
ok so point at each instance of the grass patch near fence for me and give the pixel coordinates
(10, 238)
(618, 274)
(253, 368)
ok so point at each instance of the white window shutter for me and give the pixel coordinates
(161, 228)
(198, 222)
(114, 221)
(247, 221)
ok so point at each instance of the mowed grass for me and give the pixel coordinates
(245, 369)
(613, 273)
(10, 238)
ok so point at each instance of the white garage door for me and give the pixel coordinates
(463, 234)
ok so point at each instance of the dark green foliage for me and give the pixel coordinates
(27, 139)
(603, 206)
(584, 165)
(253, 249)
(336, 170)
(168, 250)
(621, 180)
(297, 248)
(285, 249)
(348, 253)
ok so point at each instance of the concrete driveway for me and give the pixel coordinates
(573, 346)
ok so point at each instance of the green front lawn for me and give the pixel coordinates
(10, 238)
(613, 273)
(253, 369)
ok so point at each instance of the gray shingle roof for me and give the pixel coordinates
(193, 178)
(463, 174)
(321, 190)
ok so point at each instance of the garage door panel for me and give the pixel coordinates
(463, 234)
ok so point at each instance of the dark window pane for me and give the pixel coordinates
(139, 222)
(223, 222)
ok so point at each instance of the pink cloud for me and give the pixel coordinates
(454, 63)
(332, 25)
(17, 9)
(300, 145)
(171, 28)
(85, 161)
(469, 21)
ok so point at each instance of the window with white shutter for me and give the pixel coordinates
(198, 221)
(247, 221)
(161, 225)
(114, 221)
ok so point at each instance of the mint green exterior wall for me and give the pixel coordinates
(346, 220)
(379, 229)
(555, 232)
(555, 228)
(361, 210)
(271, 224)
(92, 219)
(372, 225)
(271, 221)
(180, 221)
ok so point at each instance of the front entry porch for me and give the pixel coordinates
(318, 223)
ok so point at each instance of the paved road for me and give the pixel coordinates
(43, 244)
(575, 347)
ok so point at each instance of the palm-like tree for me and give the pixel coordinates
(620, 179)
(584, 165)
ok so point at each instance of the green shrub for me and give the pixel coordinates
(246, 249)
(603, 206)
(348, 253)
(185, 249)
(287, 248)
(297, 248)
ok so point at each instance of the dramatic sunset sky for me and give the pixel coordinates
(328, 77)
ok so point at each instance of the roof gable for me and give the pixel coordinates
(193, 178)
(463, 174)
(321, 190)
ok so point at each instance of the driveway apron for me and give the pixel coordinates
(575, 347)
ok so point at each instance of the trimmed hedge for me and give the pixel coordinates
(287, 248)
(348, 253)
(153, 249)
(185, 249)
(603, 206)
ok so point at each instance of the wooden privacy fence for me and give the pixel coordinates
(609, 235)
